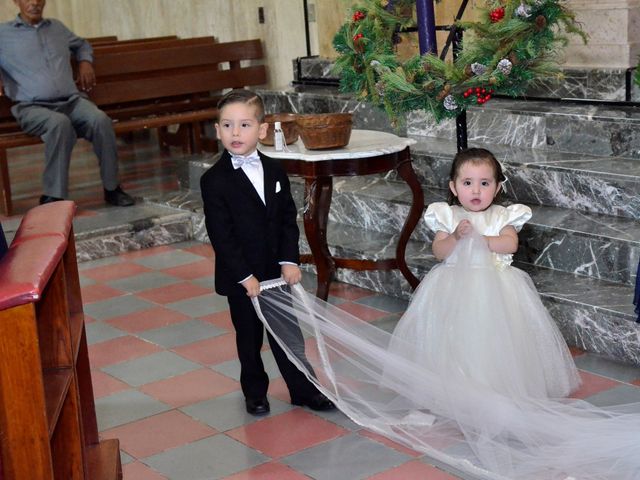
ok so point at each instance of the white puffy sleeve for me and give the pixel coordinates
(517, 216)
(439, 217)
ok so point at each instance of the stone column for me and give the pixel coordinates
(614, 35)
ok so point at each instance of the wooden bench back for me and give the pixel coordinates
(154, 43)
(177, 71)
(104, 41)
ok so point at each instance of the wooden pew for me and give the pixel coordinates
(155, 88)
(48, 427)
(104, 41)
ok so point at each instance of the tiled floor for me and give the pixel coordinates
(166, 381)
(164, 364)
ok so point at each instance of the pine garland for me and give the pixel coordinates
(513, 44)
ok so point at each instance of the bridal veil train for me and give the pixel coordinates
(380, 382)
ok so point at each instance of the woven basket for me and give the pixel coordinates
(289, 127)
(325, 130)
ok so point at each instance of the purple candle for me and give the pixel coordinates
(426, 27)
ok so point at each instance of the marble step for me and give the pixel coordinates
(113, 230)
(587, 183)
(592, 314)
(596, 84)
(581, 182)
(594, 245)
(580, 127)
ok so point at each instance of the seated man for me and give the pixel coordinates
(35, 65)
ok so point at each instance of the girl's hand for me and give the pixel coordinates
(463, 229)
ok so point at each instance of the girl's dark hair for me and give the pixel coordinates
(241, 95)
(476, 156)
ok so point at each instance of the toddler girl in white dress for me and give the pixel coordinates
(474, 315)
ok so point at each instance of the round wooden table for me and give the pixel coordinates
(368, 152)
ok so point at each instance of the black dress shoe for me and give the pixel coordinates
(118, 197)
(47, 199)
(257, 406)
(316, 402)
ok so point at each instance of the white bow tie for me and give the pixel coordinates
(238, 160)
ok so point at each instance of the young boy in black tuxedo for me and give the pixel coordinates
(250, 217)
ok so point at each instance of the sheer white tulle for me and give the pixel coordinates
(475, 392)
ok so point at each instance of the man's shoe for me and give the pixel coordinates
(257, 406)
(316, 402)
(118, 197)
(47, 199)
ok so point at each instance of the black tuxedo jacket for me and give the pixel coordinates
(248, 237)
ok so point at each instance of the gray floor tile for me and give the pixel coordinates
(181, 333)
(620, 395)
(100, 332)
(99, 262)
(115, 307)
(144, 281)
(607, 368)
(388, 324)
(384, 303)
(125, 407)
(200, 306)
(206, 282)
(151, 368)
(208, 459)
(232, 367)
(168, 259)
(86, 281)
(126, 458)
(353, 457)
(228, 411)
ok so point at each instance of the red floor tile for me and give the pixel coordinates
(139, 471)
(220, 320)
(104, 385)
(173, 293)
(268, 471)
(146, 252)
(159, 433)
(191, 271)
(147, 319)
(576, 352)
(107, 273)
(636, 382)
(119, 350)
(204, 250)
(210, 351)
(303, 429)
(413, 470)
(348, 292)
(592, 384)
(98, 292)
(363, 312)
(190, 388)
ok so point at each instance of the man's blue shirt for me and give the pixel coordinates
(35, 60)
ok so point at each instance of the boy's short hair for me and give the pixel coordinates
(241, 95)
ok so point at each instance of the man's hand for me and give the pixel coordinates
(86, 76)
(291, 273)
(252, 285)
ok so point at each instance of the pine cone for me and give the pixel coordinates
(468, 72)
(445, 91)
(513, 58)
(541, 22)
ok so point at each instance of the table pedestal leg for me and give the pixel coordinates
(405, 169)
(317, 194)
